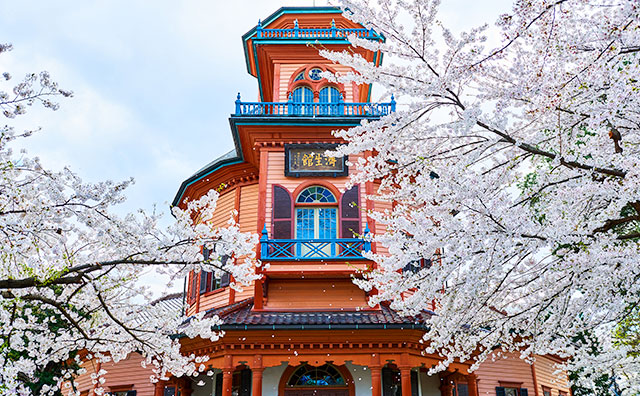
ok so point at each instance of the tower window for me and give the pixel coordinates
(300, 97)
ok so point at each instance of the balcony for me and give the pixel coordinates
(313, 33)
(313, 249)
(306, 109)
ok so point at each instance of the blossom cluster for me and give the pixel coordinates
(514, 170)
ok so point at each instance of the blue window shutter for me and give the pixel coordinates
(225, 279)
(500, 391)
(132, 393)
(524, 392)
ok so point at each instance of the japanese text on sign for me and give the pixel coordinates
(306, 160)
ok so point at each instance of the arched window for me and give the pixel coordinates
(302, 95)
(325, 375)
(316, 194)
(329, 96)
(316, 214)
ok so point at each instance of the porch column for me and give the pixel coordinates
(405, 378)
(159, 388)
(256, 376)
(227, 376)
(446, 389)
(473, 386)
(376, 375)
(376, 380)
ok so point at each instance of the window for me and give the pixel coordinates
(461, 390)
(330, 97)
(511, 390)
(122, 393)
(316, 194)
(300, 96)
(325, 375)
(314, 74)
(208, 280)
(416, 266)
(317, 219)
(546, 391)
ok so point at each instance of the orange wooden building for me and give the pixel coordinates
(304, 328)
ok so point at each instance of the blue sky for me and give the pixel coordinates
(154, 82)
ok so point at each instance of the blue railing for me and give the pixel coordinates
(305, 109)
(313, 249)
(314, 33)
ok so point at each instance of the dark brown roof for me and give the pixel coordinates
(240, 316)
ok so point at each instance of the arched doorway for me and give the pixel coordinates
(325, 380)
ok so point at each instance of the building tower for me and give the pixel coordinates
(304, 329)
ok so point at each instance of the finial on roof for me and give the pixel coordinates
(295, 23)
(333, 23)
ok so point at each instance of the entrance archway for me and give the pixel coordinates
(324, 380)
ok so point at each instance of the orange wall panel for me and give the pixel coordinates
(130, 372)
(219, 298)
(249, 209)
(314, 294)
(83, 381)
(224, 206)
(511, 369)
(247, 292)
(546, 377)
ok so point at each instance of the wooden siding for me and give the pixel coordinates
(381, 207)
(315, 294)
(191, 310)
(215, 299)
(511, 369)
(286, 70)
(275, 175)
(225, 205)
(130, 372)
(249, 209)
(83, 381)
(546, 377)
(247, 292)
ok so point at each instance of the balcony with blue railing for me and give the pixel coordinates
(314, 109)
(333, 32)
(314, 249)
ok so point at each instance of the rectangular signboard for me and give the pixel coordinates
(304, 160)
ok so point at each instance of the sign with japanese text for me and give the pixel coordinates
(304, 160)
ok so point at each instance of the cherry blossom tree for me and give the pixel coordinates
(70, 267)
(520, 164)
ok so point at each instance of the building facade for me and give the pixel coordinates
(304, 328)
